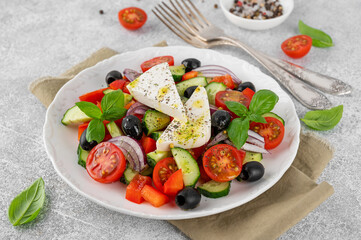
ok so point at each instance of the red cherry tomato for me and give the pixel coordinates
(174, 183)
(155, 61)
(297, 46)
(223, 162)
(236, 96)
(226, 80)
(105, 163)
(272, 131)
(162, 172)
(132, 18)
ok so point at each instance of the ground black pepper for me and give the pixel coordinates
(101, 12)
(257, 9)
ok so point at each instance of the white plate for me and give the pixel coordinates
(61, 141)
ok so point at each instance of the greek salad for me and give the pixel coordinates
(175, 133)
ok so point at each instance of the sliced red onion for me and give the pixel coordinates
(254, 141)
(248, 147)
(216, 69)
(137, 108)
(212, 108)
(218, 138)
(133, 152)
(131, 74)
(255, 135)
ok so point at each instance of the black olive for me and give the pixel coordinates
(252, 171)
(112, 76)
(189, 91)
(191, 63)
(84, 144)
(188, 198)
(245, 85)
(132, 127)
(221, 119)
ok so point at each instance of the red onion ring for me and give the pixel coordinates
(131, 74)
(137, 108)
(216, 69)
(218, 138)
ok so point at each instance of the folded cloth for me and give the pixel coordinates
(266, 217)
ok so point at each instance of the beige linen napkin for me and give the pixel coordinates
(266, 217)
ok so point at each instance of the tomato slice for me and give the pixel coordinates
(149, 144)
(236, 96)
(120, 84)
(204, 176)
(189, 75)
(297, 46)
(174, 183)
(197, 152)
(155, 61)
(223, 162)
(132, 18)
(81, 129)
(162, 171)
(133, 191)
(153, 196)
(94, 97)
(226, 80)
(105, 163)
(272, 131)
(249, 93)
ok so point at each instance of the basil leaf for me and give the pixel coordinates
(238, 131)
(26, 206)
(114, 114)
(263, 101)
(323, 120)
(319, 38)
(237, 108)
(113, 99)
(90, 109)
(95, 131)
(256, 118)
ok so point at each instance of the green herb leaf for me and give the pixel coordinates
(114, 114)
(238, 131)
(323, 120)
(319, 38)
(90, 109)
(256, 118)
(238, 108)
(114, 99)
(263, 101)
(26, 206)
(95, 131)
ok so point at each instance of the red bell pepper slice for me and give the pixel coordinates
(174, 183)
(153, 196)
(149, 144)
(81, 129)
(189, 75)
(249, 93)
(120, 84)
(133, 191)
(94, 97)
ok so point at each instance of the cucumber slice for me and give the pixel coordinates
(213, 189)
(154, 121)
(156, 156)
(129, 174)
(212, 90)
(252, 156)
(188, 164)
(271, 114)
(147, 172)
(184, 99)
(197, 81)
(106, 91)
(114, 130)
(177, 72)
(82, 156)
(156, 135)
(74, 116)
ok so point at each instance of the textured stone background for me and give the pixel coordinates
(47, 37)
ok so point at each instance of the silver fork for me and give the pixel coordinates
(195, 29)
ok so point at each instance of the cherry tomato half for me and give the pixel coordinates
(155, 61)
(105, 163)
(272, 131)
(132, 18)
(223, 162)
(226, 80)
(162, 171)
(236, 96)
(297, 46)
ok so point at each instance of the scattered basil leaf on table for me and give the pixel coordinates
(90, 109)
(319, 38)
(26, 206)
(323, 120)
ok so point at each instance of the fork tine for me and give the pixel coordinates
(199, 13)
(189, 16)
(191, 27)
(193, 14)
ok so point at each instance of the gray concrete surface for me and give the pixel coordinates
(39, 38)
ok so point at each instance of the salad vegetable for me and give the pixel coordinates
(132, 18)
(174, 133)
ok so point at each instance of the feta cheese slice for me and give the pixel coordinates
(193, 133)
(156, 89)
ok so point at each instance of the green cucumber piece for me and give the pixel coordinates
(154, 121)
(156, 156)
(177, 72)
(156, 135)
(74, 116)
(106, 91)
(188, 164)
(82, 156)
(212, 89)
(128, 175)
(213, 189)
(271, 114)
(184, 99)
(147, 172)
(252, 156)
(114, 130)
(197, 81)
